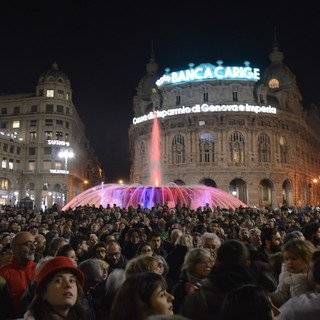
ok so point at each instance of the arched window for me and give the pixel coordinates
(284, 156)
(31, 186)
(4, 184)
(178, 149)
(57, 188)
(206, 148)
(264, 153)
(236, 145)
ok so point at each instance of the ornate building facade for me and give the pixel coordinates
(232, 128)
(46, 158)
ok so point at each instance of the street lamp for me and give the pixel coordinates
(66, 154)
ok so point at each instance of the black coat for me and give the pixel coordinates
(205, 303)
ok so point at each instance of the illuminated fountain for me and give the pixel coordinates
(150, 196)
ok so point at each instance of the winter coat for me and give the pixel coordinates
(290, 285)
(205, 303)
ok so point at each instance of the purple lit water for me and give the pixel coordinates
(135, 195)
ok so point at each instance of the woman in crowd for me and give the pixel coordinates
(145, 248)
(144, 263)
(67, 251)
(143, 294)
(197, 265)
(133, 239)
(59, 293)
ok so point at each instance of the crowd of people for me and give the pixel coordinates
(161, 263)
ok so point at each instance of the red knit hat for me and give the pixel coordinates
(55, 265)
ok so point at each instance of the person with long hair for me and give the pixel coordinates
(58, 293)
(143, 294)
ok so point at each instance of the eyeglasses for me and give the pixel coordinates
(28, 244)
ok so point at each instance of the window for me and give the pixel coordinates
(33, 136)
(31, 186)
(264, 148)
(16, 110)
(48, 135)
(261, 98)
(10, 164)
(58, 165)
(49, 108)
(18, 150)
(4, 184)
(205, 97)
(66, 136)
(50, 93)
(59, 109)
(33, 123)
(5, 147)
(178, 149)
(32, 151)
(4, 110)
(11, 149)
(67, 96)
(284, 153)
(34, 108)
(48, 122)
(47, 165)
(235, 96)
(67, 110)
(59, 135)
(4, 163)
(67, 124)
(31, 165)
(178, 100)
(16, 124)
(236, 147)
(47, 150)
(206, 148)
(18, 167)
(274, 84)
(3, 125)
(60, 94)
(59, 123)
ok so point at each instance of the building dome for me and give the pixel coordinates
(147, 82)
(54, 75)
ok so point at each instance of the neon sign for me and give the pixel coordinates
(197, 108)
(208, 71)
(59, 171)
(59, 143)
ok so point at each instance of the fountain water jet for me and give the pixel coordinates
(150, 196)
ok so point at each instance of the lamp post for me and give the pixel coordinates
(66, 154)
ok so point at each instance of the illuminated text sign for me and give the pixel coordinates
(59, 171)
(58, 143)
(208, 71)
(206, 108)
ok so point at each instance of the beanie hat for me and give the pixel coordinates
(55, 265)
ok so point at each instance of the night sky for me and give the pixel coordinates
(104, 46)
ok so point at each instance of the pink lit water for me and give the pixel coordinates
(150, 196)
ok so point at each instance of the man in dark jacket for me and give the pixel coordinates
(114, 256)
